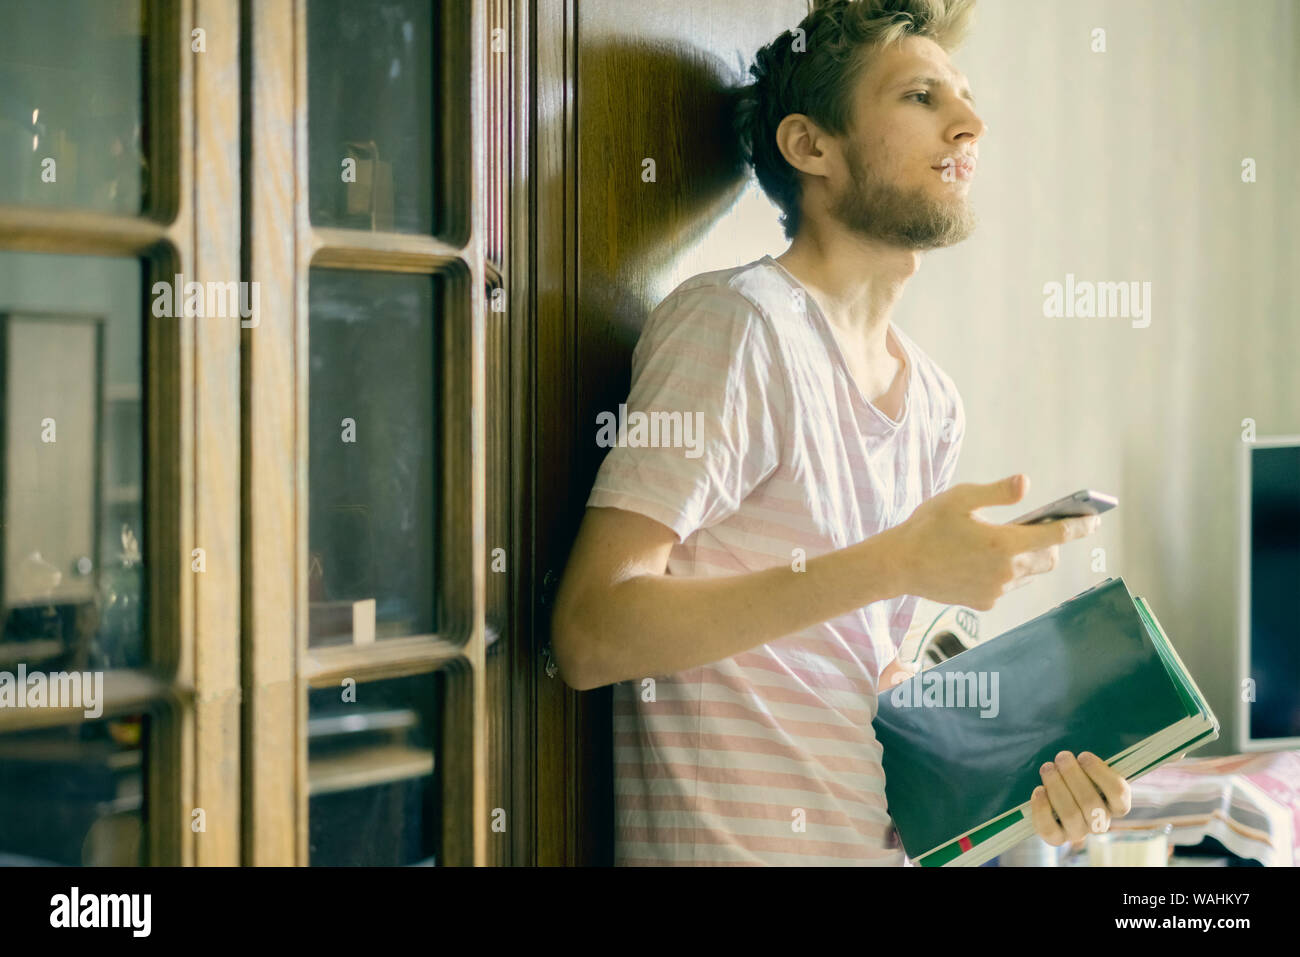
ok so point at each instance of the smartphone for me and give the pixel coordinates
(1083, 502)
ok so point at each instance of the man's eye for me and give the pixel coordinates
(923, 93)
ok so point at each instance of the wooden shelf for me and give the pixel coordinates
(393, 719)
(37, 649)
(44, 750)
(374, 766)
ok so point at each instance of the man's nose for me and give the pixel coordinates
(969, 127)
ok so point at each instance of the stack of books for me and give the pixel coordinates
(963, 741)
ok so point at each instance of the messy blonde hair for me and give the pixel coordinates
(818, 81)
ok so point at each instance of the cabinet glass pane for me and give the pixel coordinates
(74, 795)
(72, 581)
(72, 110)
(373, 456)
(370, 96)
(372, 772)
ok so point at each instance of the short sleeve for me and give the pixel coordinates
(702, 425)
(952, 431)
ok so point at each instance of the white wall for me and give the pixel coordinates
(1126, 165)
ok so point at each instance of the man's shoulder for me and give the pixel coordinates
(754, 288)
(720, 318)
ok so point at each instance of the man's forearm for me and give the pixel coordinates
(660, 624)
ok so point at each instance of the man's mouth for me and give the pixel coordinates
(957, 169)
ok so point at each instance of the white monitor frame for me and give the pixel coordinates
(1244, 741)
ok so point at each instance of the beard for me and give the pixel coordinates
(912, 219)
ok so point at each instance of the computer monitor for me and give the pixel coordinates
(1268, 686)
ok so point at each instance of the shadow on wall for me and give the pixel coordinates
(659, 164)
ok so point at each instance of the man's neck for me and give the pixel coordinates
(856, 282)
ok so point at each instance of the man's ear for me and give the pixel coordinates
(800, 140)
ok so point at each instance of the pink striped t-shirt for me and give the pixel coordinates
(766, 757)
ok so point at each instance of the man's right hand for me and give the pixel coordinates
(952, 556)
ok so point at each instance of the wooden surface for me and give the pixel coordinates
(274, 710)
(285, 247)
(227, 423)
(556, 822)
(190, 685)
(215, 469)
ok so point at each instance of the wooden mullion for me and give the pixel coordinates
(164, 98)
(304, 252)
(463, 804)
(460, 144)
(272, 471)
(521, 649)
(216, 363)
(169, 442)
(497, 449)
(463, 580)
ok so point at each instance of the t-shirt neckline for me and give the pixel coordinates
(828, 334)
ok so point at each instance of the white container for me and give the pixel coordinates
(1146, 848)
(1031, 852)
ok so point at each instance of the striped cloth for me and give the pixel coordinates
(767, 757)
(1249, 803)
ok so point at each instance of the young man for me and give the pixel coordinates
(765, 578)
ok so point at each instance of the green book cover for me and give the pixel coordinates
(963, 741)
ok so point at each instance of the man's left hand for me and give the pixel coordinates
(1078, 797)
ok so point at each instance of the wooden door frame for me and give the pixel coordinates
(574, 800)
